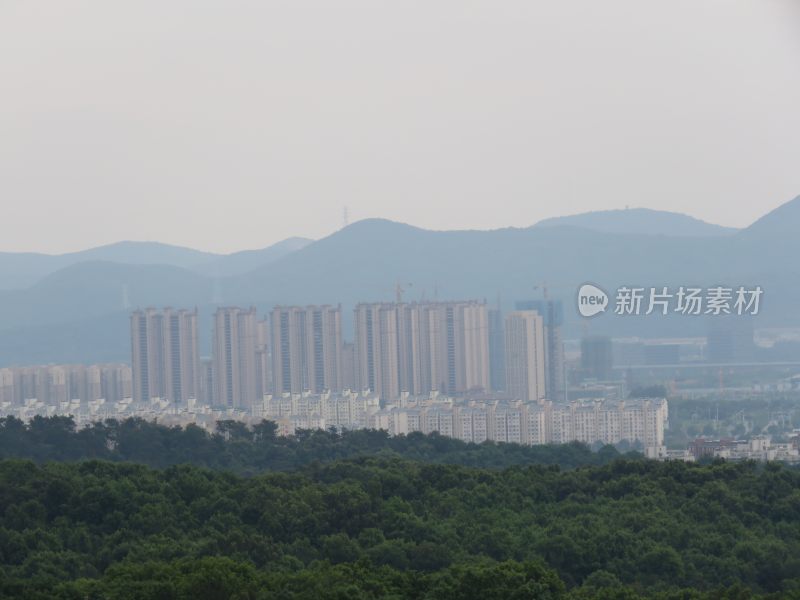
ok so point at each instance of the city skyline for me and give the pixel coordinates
(397, 348)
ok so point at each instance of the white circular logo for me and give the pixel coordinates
(591, 300)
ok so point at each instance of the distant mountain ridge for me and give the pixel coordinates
(67, 316)
(22, 270)
(782, 221)
(239, 263)
(639, 221)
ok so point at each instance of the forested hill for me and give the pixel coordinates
(389, 528)
(244, 450)
(245, 514)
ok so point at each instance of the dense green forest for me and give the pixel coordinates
(376, 528)
(244, 450)
(395, 518)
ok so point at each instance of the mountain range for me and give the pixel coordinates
(21, 270)
(74, 307)
(639, 220)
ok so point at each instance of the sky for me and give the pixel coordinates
(227, 125)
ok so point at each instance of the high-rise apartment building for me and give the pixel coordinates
(525, 350)
(181, 354)
(164, 354)
(420, 347)
(349, 366)
(263, 359)
(236, 359)
(463, 347)
(306, 349)
(497, 350)
(207, 389)
(552, 312)
(147, 348)
(377, 347)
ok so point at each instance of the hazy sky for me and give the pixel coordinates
(233, 124)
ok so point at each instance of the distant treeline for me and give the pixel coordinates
(372, 528)
(248, 450)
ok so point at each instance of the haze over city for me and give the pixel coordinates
(426, 300)
(230, 126)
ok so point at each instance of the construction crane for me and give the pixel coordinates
(400, 289)
(543, 287)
